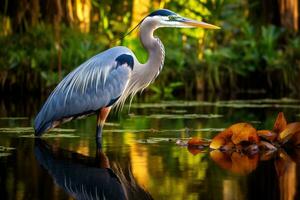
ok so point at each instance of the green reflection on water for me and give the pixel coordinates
(147, 146)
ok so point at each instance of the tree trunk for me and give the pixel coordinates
(289, 14)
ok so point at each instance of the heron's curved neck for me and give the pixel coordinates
(155, 48)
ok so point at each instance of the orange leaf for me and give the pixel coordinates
(221, 139)
(243, 132)
(194, 150)
(288, 132)
(197, 142)
(295, 140)
(267, 134)
(280, 123)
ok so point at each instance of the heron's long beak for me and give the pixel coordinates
(195, 23)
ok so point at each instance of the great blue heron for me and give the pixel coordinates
(107, 79)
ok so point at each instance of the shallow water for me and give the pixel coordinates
(140, 158)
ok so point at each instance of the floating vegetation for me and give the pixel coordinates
(153, 140)
(256, 103)
(239, 147)
(4, 154)
(178, 111)
(50, 135)
(165, 130)
(111, 124)
(5, 151)
(31, 130)
(178, 116)
(3, 148)
(14, 118)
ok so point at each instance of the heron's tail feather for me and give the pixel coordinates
(39, 130)
(40, 126)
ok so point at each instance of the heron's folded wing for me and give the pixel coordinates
(95, 84)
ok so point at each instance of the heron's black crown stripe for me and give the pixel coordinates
(125, 59)
(162, 12)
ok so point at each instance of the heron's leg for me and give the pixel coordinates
(102, 115)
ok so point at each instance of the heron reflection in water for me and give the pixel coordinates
(85, 177)
(109, 78)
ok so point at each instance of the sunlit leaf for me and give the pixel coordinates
(280, 123)
(197, 142)
(288, 132)
(243, 132)
(267, 134)
(221, 139)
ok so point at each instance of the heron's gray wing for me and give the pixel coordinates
(97, 83)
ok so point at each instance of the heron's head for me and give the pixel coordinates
(167, 18)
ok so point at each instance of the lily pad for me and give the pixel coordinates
(31, 130)
(165, 130)
(154, 140)
(3, 148)
(49, 135)
(14, 118)
(5, 151)
(111, 124)
(4, 154)
(256, 103)
(178, 116)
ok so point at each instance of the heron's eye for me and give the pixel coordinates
(172, 17)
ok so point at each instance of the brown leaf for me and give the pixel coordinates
(221, 139)
(197, 142)
(243, 132)
(266, 146)
(267, 134)
(280, 123)
(295, 140)
(288, 132)
(227, 147)
(195, 150)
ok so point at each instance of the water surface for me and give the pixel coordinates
(140, 158)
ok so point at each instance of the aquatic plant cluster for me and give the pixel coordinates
(239, 147)
(42, 45)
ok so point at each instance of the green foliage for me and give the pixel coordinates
(35, 52)
(242, 50)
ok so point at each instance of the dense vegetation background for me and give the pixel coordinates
(257, 49)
